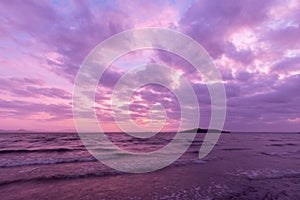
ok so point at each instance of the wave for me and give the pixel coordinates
(39, 150)
(106, 172)
(62, 177)
(48, 162)
(236, 149)
(280, 154)
(285, 144)
(261, 174)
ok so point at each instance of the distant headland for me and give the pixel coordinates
(200, 130)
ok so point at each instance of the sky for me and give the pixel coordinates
(254, 44)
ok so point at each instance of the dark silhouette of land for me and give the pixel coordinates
(200, 130)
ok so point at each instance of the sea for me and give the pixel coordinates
(241, 166)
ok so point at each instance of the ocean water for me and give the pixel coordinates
(244, 158)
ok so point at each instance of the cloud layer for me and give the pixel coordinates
(254, 44)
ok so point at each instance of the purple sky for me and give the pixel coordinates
(255, 44)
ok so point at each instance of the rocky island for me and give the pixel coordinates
(200, 130)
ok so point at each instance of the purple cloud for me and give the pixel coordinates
(21, 109)
(31, 88)
(211, 22)
(287, 64)
(254, 44)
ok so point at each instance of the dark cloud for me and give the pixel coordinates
(25, 87)
(287, 64)
(71, 32)
(21, 109)
(212, 22)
